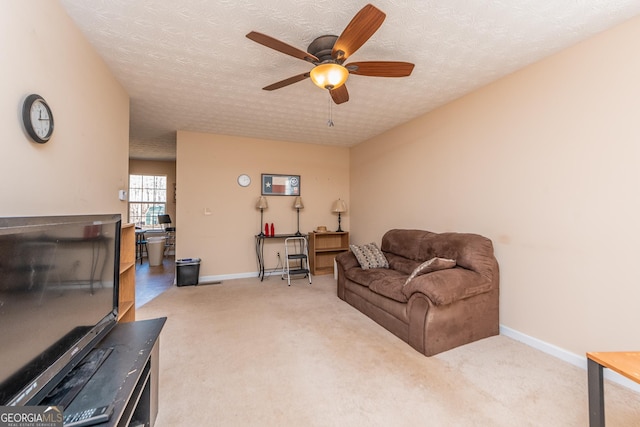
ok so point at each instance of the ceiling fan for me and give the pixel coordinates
(328, 54)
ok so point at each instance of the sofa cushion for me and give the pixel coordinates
(434, 264)
(369, 256)
(365, 277)
(400, 263)
(382, 281)
(390, 286)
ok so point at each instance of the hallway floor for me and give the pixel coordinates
(153, 281)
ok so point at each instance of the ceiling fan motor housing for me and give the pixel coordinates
(321, 48)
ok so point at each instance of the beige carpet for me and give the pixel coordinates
(246, 353)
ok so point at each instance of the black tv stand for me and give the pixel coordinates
(128, 378)
(67, 389)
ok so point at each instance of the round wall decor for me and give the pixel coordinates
(37, 118)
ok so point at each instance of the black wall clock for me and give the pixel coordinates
(37, 118)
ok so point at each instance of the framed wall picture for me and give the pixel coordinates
(280, 185)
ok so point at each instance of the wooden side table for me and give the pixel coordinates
(624, 363)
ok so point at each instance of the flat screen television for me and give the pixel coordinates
(58, 298)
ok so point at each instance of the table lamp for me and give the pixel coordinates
(297, 205)
(339, 206)
(262, 205)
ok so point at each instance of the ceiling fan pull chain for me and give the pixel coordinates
(330, 121)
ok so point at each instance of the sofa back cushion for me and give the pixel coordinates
(470, 251)
(400, 263)
(405, 243)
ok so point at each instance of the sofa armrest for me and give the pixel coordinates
(347, 260)
(344, 261)
(447, 286)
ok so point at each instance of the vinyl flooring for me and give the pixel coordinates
(152, 281)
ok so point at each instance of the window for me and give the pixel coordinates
(147, 199)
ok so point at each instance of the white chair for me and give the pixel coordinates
(296, 259)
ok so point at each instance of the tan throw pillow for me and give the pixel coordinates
(434, 264)
(369, 256)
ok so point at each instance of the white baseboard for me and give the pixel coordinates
(562, 354)
(221, 277)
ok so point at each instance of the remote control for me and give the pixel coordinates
(88, 417)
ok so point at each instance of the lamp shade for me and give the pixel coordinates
(262, 203)
(329, 75)
(339, 206)
(297, 203)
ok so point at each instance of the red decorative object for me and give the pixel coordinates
(273, 233)
(266, 229)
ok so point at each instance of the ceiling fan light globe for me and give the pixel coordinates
(329, 76)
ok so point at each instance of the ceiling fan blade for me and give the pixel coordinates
(287, 82)
(340, 95)
(362, 26)
(381, 68)
(275, 44)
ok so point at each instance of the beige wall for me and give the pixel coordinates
(207, 169)
(545, 162)
(168, 168)
(82, 167)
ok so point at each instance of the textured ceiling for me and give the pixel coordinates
(187, 65)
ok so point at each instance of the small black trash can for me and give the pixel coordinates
(187, 271)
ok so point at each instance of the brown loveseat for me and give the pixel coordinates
(436, 311)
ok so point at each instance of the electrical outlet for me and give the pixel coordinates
(278, 255)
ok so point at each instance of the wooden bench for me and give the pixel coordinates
(624, 363)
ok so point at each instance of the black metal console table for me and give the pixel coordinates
(260, 239)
